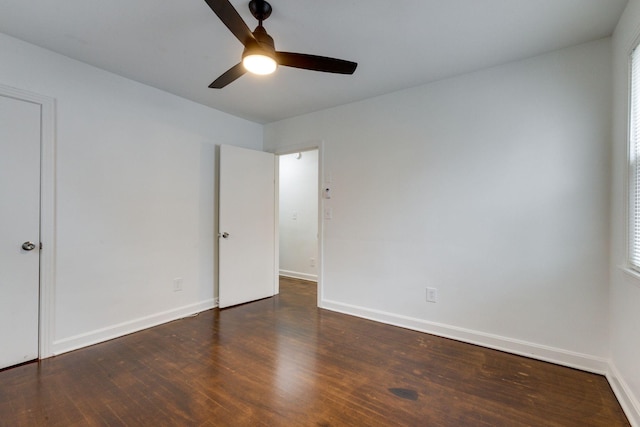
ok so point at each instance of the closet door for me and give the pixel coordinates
(20, 130)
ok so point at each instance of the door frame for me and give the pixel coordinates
(47, 213)
(295, 148)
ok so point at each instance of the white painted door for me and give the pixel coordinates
(247, 257)
(19, 224)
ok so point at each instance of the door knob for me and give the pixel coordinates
(224, 235)
(28, 246)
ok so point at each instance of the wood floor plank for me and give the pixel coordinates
(283, 362)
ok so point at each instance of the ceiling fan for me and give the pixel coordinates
(260, 55)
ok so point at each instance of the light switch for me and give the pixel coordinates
(328, 213)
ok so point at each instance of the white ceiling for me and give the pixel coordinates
(181, 46)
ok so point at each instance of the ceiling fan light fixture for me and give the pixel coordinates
(260, 55)
(259, 63)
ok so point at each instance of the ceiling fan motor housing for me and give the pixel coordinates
(264, 46)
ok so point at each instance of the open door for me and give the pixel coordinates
(246, 224)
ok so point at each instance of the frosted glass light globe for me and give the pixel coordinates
(259, 64)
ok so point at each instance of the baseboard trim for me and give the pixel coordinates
(297, 275)
(115, 331)
(558, 356)
(630, 404)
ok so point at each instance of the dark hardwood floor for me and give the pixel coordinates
(283, 362)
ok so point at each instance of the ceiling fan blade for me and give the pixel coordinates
(231, 18)
(229, 76)
(316, 63)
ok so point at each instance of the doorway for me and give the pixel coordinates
(301, 253)
(298, 226)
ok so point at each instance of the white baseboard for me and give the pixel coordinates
(630, 404)
(558, 356)
(585, 362)
(126, 328)
(297, 275)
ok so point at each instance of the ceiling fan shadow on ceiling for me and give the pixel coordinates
(260, 55)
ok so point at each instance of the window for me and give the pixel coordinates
(634, 162)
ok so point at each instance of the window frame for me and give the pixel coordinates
(633, 162)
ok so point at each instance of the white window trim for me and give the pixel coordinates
(632, 259)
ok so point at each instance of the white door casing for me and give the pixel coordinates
(247, 255)
(19, 223)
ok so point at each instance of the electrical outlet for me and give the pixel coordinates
(432, 295)
(177, 284)
(312, 262)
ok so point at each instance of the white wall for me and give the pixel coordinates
(625, 289)
(298, 210)
(491, 187)
(134, 195)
